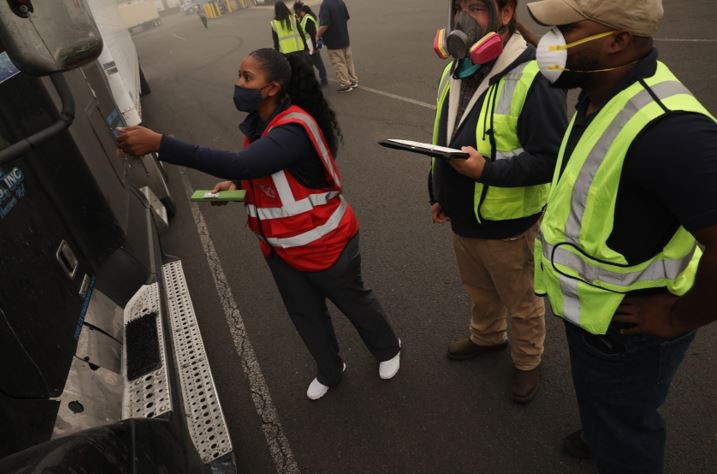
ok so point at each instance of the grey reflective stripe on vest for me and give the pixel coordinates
(510, 82)
(295, 36)
(571, 301)
(655, 271)
(504, 155)
(663, 90)
(316, 135)
(281, 183)
(314, 234)
(292, 209)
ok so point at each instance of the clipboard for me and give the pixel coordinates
(425, 149)
(206, 195)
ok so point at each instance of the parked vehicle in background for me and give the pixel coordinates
(189, 8)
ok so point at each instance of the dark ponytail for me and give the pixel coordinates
(282, 13)
(295, 73)
(307, 9)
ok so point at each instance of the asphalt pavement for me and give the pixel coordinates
(436, 416)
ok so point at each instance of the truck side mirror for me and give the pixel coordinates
(47, 36)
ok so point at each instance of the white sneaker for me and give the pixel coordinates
(388, 368)
(317, 390)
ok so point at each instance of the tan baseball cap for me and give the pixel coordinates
(639, 17)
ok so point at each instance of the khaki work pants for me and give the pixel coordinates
(498, 277)
(343, 64)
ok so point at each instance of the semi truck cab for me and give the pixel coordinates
(103, 364)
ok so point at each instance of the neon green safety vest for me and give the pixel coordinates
(586, 280)
(501, 110)
(289, 39)
(304, 21)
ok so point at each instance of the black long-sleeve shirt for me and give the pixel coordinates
(286, 147)
(541, 126)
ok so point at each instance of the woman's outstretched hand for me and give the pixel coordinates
(138, 140)
(223, 186)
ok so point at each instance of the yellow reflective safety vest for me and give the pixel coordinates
(497, 139)
(305, 20)
(584, 279)
(289, 38)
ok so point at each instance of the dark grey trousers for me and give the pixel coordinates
(305, 294)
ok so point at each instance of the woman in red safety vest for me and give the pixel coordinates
(307, 231)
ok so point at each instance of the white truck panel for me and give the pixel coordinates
(138, 13)
(118, 59)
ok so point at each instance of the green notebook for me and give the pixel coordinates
(206, 195)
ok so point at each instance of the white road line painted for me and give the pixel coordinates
(393, 96)
(686, 40)
(278, 443)
(177, 36)
(397, 97)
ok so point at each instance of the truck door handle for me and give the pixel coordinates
(67, 259)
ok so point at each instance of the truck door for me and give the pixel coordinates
(46, 278)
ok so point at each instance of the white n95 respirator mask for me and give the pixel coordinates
(552, 53)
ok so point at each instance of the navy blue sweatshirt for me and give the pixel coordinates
(286, 147)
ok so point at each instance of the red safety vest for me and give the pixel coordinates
(308, 228)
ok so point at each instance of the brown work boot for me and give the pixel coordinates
(466, 349)
(524, 385)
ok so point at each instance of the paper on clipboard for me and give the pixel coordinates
(425, 149)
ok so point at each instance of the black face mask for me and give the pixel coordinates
(247, 100)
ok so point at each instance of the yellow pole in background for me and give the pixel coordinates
(208, 10)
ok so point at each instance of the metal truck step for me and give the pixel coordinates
(146, 391)
(205, 418)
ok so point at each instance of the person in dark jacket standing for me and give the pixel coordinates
(493, 103)
(307, 231)
(334, 31)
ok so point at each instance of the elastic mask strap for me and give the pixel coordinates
(601, 70)
(581, 41)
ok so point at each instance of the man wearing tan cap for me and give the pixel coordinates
(635, 190)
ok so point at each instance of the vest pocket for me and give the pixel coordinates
(287, 227)
(513, 203)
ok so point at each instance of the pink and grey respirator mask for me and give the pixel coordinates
(466, 41)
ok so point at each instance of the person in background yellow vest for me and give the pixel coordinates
(310, 27)
(493, 102)
(634, 191)
(285, 31)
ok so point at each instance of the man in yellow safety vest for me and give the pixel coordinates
(634, 191)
